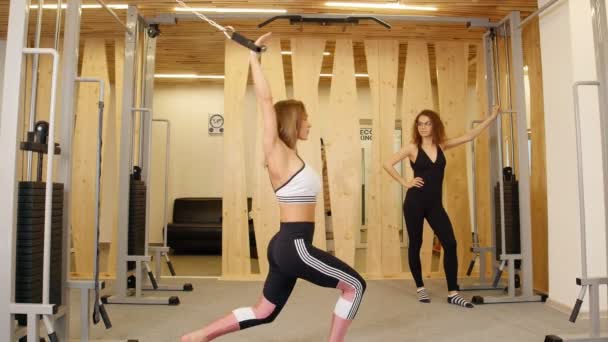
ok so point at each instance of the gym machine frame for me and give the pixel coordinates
(10, 121)
(515, 69)
(479, 252)
(122, 295)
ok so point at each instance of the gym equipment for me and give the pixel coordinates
(134, 199)
(163, 251)
(325, 21)
(510, 28)
(479, 252)
(228, 31)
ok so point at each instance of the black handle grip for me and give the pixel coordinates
(53, 337)
(171, 269)
(497, 278)
(96, 314)
(575, 310)
(104, 315)
(470, 269)
(153, 280)
(246, 42)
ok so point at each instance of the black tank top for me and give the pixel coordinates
(432, 175)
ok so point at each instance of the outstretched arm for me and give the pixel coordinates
(264, 98)
(472, 134)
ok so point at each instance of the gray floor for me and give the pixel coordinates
(389, 312)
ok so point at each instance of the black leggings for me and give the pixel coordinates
(415, 212)
(291, 255)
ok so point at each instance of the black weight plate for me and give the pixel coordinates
(39, 185)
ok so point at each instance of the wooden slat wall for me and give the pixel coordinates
(266, 217)
(452, 74)
(84, 155)
(307, 57)
(538, 175)
(235, 226)
(343, 153)
(417, 96)
(383, 254)
(119, 53)
(482, 171)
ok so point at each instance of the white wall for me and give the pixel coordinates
(567, 57)
(196, 166)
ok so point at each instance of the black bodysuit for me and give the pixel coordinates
(426, 203)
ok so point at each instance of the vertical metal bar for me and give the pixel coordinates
(594, 309)
(146, 137)
(9, 135)
(501, 190)
(511, 278)
(48, 207)
(120, 286)
(488, 44)
(581, 186)
(58, 24)
(474, 192)
(34, 85)
(71, 38)
(600, 37)
(32, 328)
(523, 161)
(493, 132)
(84, 314)
(167, 163)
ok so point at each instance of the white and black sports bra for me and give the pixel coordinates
(301, 188)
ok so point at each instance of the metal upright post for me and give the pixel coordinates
(9, 135)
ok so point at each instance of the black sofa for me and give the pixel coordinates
(197, 226)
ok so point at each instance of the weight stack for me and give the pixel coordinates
(137, 220)
(512, 227)
(30, 244)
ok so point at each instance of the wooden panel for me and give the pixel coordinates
(109, 172)
(235, 226)
(383, 253)
(84, 147)
(538, 174)
(482, 170)
(452, 86)
(307, 57)
(119, 51)
(266, 216)
(417, 96)
(344, 153)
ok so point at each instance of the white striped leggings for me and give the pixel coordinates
(291, 255)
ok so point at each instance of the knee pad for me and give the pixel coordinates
(247, 318)
(343, 308)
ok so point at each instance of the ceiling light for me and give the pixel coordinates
(356, 75)
(189, 76)
(289, 53)
(388, 6)
(64, 6)
(229, 10)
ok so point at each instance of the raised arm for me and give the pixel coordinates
(389, 166)
(472, 134)
(264, 98)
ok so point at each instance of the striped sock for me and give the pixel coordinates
(423, 297)
(458, 300)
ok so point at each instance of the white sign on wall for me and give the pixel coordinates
(216, 124)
